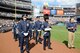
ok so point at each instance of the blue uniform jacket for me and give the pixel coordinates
(45, 25)
(69, 25)
(24, 27)
(32, 26)
(15, 26)
(38, 25)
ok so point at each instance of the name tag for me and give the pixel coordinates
(25, 34)
(39, 30)
(47, 29)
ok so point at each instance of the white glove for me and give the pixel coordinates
(44, 33)
(32, 30)
(39, 30)
(47, 29)
(25, 34)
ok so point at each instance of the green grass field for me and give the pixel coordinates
(60, 34)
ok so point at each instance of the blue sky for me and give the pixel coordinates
(55, 2)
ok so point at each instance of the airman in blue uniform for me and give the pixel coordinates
(23, 32)
(71, 27)
(38, 28)
(31, 29)
(15, 29)
(47, 34)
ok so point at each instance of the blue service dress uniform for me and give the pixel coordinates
(70, 25)
(46, 35)
(33, 29)
(31, 32)
(38, 26)
(15, 30)
(24, 28)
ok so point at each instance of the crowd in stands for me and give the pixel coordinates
(6, 22)
(5, 25)
(9, 14)
(19, 4)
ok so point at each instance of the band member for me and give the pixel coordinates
(23, 32)
(71, 26)
(46, 28)
(38, 28)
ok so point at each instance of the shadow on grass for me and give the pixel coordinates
(66, 43)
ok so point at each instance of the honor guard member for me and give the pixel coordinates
(31, 29)
(38, 28)
(23, 32)
(46, 36)
(15, 29)
(18, 32)
(71, 26)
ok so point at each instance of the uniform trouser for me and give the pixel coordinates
(15, 35)
(19, 40)
(44, 42)
(38, 36)
(22, 44)
(71, 39)
(30, 34)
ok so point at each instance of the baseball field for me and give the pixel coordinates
(59, 42)
(60, 34)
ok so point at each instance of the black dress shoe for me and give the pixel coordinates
(40, 42)
(36, 42)
(50, 48)
(69, 47)
(44, 48)
(28, 52)
(15, 39)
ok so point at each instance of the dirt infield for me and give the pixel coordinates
(8, 45)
